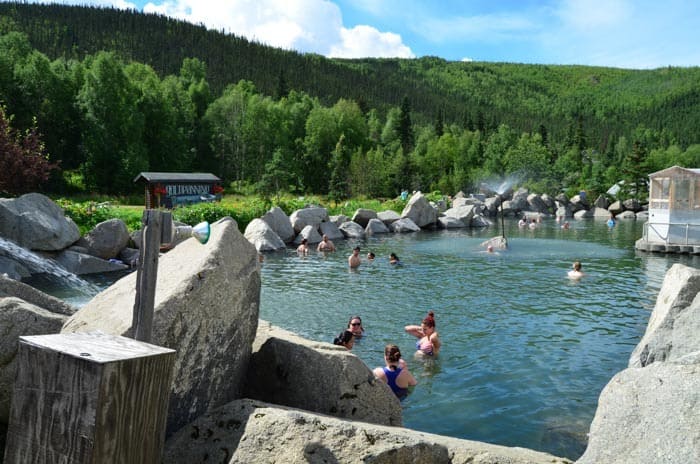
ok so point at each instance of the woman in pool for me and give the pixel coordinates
(395, 373)
(355, 326)
(428, 343)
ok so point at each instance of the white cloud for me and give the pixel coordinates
(365, 41)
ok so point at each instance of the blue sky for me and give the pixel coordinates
(635, 34)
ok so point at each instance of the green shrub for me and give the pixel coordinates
(88, 214)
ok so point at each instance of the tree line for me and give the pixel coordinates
(426, 124)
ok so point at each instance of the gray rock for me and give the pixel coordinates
(404, 225)
(352, 229)
(674, 324)
(627, 215)
(492, 204)
(18, 318)
(642, 216)
(35, 222)
(632, 204)
(449, 222)
(519, 201)
(536, 204)
(647, 416)
(284, 370)
(339, 219)
(600, 213)
(549, 202)
(312, 216)
(81, 264)
(602, 202)
(129, 256)
(463, 213)
(13, 288)
(388, 216)
(578, 202)
(248, 431)
(376, 226)
(262, 236)
(480, 221)
(206, 307)
(616, 207)
(584, 214)
(14, 269)
(564, 211)
(419, 210)
(106, 239)
(279, 222)
(310, 233)
(363, 215)
(331, 230)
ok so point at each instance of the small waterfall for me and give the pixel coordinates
(39, 265)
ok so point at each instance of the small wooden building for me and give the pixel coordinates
(171, 189)
(674, 212)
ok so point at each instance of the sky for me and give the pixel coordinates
(631, 34)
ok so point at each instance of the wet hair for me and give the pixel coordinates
(304, 241)
(429, 320)
(356, 248)
(393, 256)
(370, 255)
(577, 265)
(392, 354)
(358, 318)
(343, 338)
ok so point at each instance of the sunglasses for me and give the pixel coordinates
(355, 324)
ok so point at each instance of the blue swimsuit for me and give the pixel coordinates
(391, 381)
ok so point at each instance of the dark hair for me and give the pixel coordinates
(343, 338)
(429, 320)
(392, 354)
(355, 317)
(370, 255)
(356, 248)
(303, 241)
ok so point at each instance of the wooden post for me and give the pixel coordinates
(86, 398)
(146, 275)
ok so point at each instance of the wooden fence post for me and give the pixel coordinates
(147, 274)
(89, 398)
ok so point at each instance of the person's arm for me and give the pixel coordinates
(408, 377)
(415, 330)
(435, 340)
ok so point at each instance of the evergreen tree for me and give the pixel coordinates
(405, 126)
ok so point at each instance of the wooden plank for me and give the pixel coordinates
(147, 275)
(89, 398)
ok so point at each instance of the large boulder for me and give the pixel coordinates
(376, 226)
(262, 236)
(362, 216)
(35, 222)
(420, 211)
(82, 263)
(12, 268)
(463, 213)
(206, 308)
(388, 216)
(106, 239)
(312, 216)
(448, 222)
(285, 369)
(674, 324)
(536, 203)
(310, 233)
(279, 222)
(18, 318)
(247, 431)
(519, 201)
(404, 225)
(331, 230)
(352, 229)
(648, 416)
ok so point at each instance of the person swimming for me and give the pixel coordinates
(428, 343)
(575, 272)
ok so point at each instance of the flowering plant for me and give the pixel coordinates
(159, 189)
(217, 189)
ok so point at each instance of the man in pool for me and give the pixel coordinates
(354, 258)
(325, 244)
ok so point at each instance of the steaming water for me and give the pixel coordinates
(47, 270)
(526, 351)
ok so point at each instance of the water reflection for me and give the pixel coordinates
(526, 350)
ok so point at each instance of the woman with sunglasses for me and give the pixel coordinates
(355, 326)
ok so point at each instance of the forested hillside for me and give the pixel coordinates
(114, 92)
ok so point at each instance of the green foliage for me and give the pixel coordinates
(88, 214)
